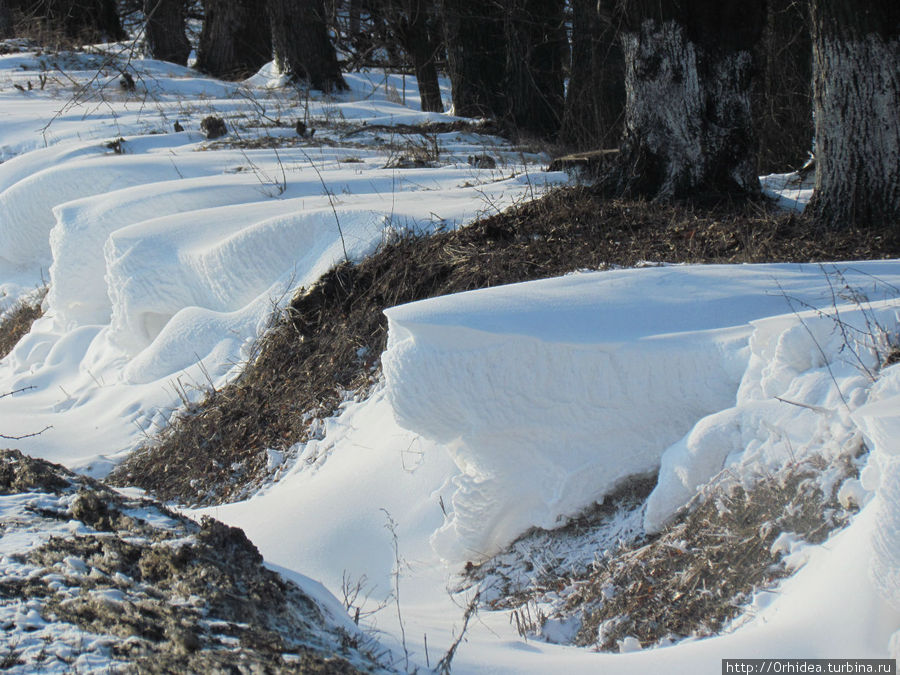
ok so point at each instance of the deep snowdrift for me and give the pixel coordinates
(166, 254)
(548, 393)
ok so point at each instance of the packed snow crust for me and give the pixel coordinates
(501, 409)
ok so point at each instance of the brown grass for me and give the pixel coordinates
(693, 579)
(16, 322)
(329, 339)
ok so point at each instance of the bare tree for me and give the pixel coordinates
(595, 99)
(164, 30)
(505, 59)
(535, 47)
(236, 39)
(6, 20)
(302, 46)
(857, 91)
(688, 74)
(414, 24)
(74, 20)
(476, 56)
(782, 106)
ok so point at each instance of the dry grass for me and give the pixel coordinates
(694, 578)
(329, 340)
(17, 320)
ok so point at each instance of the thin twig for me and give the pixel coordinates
(19, 438)
(330, 201)
(16, 391)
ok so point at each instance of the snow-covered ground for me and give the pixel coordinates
(500, 410)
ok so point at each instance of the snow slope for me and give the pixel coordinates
(501, 409)
(166, 253)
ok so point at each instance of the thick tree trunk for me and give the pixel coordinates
(688, 124)
(595, 100)
(236, 40)
(413, 24)
(857, 90)
(302, 46)
(782, 107)
(476, 56)
(164, 31)
(535, 46)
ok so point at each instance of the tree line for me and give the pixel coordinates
(698, 97)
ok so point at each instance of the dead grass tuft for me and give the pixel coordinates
(17, 320)
(328, 341)
(694, 578)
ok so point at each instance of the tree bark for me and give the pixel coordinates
(688, 124)
(302, 46)
(6, 20)
(857, 90)
(164, 31)
(234, 42)
(595, 100)
(476, 56)
(782, 106)
(535, 46)
(413, 24)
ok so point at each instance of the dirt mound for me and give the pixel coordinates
(600, 582)
(100, 580)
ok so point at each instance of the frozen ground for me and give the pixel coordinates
(500, 410)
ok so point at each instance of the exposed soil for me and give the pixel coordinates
(326, 345)
(170, 595)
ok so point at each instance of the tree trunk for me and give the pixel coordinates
(6, 20)
(302, 46)
(413, 25)
(164, 31)
(476, 56)
(857, 90)
(234, 42)
(535, 45)
(782, 106)
(595, 100)
(688, 124)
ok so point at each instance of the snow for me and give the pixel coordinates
(166, 258)
(548, 393)
(500, 410)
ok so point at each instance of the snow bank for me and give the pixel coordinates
(879, 420)
(167, 253)
(548, 394)
(806, 375)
